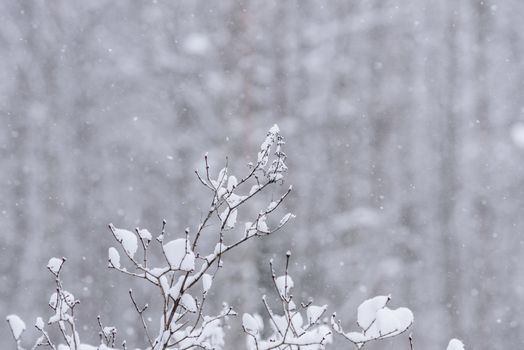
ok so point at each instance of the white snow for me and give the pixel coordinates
(174, 291)
(54, 265)
(221, 191)
(377, 321)
(263, 154)
(114, 257)
(249, 229)
(234, 199)
(284, 285)
(164, 284)
(455, 344)
(297, 321)
(127, 239)
(221, 180)
(67, 298)
(232, 182)
(61, 303)
(314, 312)
(207, 280)
(357, 337)
(219, 248)
(260, 322)
(250, 323)
(145, 234)
(386, 322)
(209, 336)
(179, 255)
(389, 323)
(39, 323)
(262, 225)
(253, 189)
(188, 302)
(367, 311)
(229, 218)
(279, 323)
(157, 271)
(310, 339)
(285, 219)
(108, 331)
(393, 321)
(17, 325)
(271, 206)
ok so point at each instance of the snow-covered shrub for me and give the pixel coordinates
(297, 327)
(187, 275)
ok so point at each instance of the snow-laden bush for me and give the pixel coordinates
(187, 275)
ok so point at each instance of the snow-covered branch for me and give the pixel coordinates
(189, 271)
(289, 328)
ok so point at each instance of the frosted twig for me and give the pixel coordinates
(140, 312)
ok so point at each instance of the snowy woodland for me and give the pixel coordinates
(392, 208)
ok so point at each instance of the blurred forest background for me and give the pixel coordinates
(404, 128)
